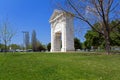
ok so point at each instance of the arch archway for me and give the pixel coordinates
(62, 31)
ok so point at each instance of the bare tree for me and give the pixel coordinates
(6, 34)
(95, 11)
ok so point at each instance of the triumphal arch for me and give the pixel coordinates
(62, 31)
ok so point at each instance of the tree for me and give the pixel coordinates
(96, 40)
(6, 34)
(34, 41)
(40, 47)
(115, 35)
(27, 40)
(2, 47)
(77, 44)
(95, 11)
(14, 46)
(93, 39)
(49, 46)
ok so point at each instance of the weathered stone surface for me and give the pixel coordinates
(62, 31)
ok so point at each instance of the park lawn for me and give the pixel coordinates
(56, 66)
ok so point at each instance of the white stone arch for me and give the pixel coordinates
(62, 31)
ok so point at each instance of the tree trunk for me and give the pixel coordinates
(107, 43)
(5, 48)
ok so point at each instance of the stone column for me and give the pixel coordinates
(69, 33)
(63, 37)
(52, 38)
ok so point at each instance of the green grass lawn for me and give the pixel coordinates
(48, 66)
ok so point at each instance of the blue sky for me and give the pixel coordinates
(28, 15)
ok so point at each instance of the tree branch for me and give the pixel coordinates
(115, 25)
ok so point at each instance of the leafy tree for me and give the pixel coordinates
(30, 46)
(49, 46)
(95, 39)
(87, 45)
(14, 46)
(77, 44)
(115, 35)
(36, 45)
(2, 47)
(40, 47)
